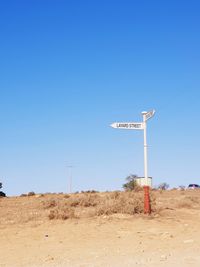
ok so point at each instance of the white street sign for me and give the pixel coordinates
(128, 125)
(138, 126)
(149, 114)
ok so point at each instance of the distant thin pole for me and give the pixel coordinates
(70, 178)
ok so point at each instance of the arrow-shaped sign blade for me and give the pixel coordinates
(150, 114)
(128, 125)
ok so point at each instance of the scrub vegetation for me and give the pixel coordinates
(38, 208)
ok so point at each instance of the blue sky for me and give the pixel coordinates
(70, 68)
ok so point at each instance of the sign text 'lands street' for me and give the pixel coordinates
(128, 125)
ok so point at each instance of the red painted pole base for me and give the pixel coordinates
(147, 205)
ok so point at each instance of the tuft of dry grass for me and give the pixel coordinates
(189, 202)
(121, 202)
(84, 200)
(50, 203)
(184, 203)
(63, 214)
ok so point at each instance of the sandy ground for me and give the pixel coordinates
(170, 237)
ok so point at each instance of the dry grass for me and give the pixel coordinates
(121, 202)
(37, 208)
(188, 202)
(97, 204)
(51, 203)
(84, 200)
(177, 199)
(63, 214)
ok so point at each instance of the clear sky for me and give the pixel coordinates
(70, 68)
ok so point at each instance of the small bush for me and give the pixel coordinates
(66, 196)
(193, 199)
(83, 200)
(125, 203)
(50, 204)
(188, 202)
(31, 194)
(184, 204)
(63, 214)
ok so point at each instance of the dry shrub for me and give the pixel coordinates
(83, 200)
(185, 202)
(115, 194)
(19, 210)
(50, 203)
(153, 202)
(63, 214)
(97, 204)
(66, 196)
(193, 199)
(31, 194)
(189, 202)
(123, 202)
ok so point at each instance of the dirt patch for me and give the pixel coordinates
(100, 229)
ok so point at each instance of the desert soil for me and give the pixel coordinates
(170, 237)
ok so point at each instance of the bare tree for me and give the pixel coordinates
(163, 186)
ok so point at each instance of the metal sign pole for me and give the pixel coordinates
(144, 113)
(140, 126)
